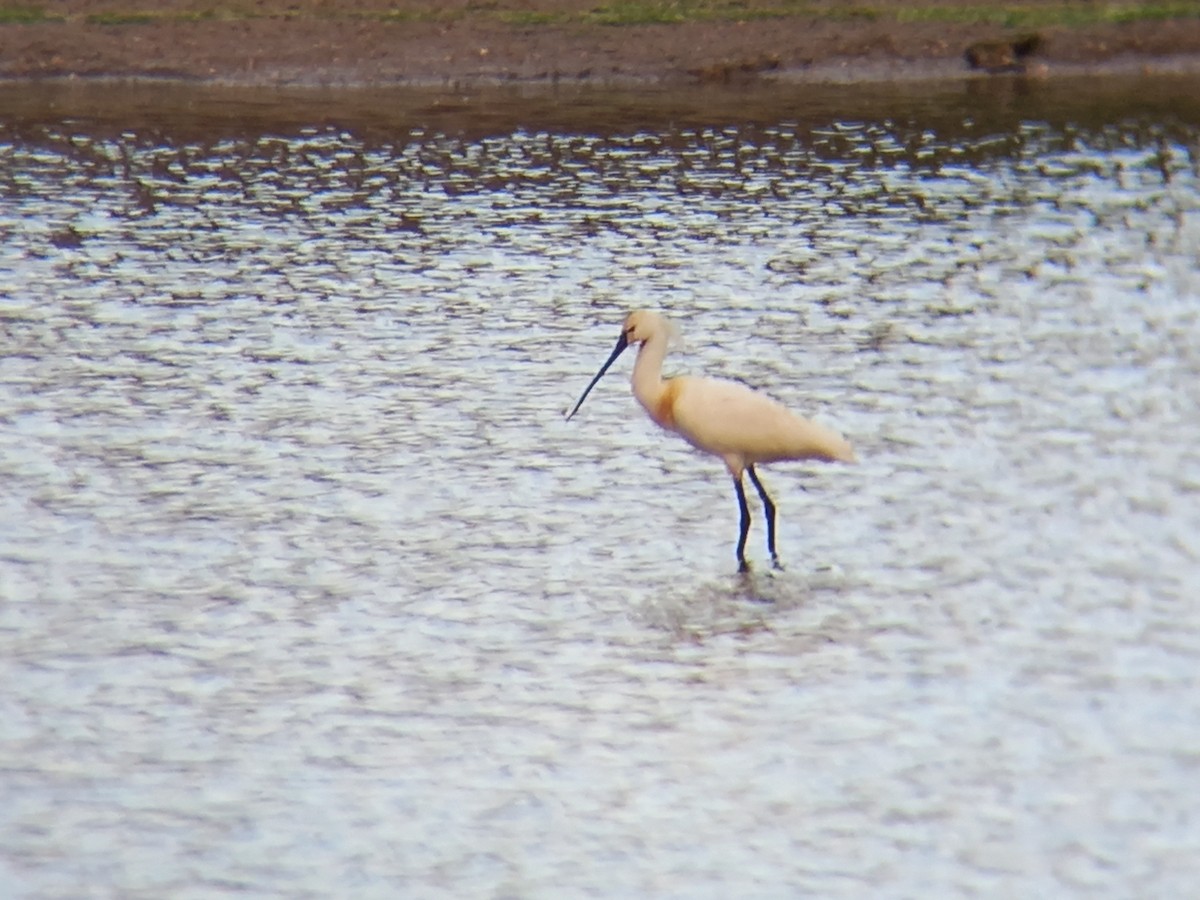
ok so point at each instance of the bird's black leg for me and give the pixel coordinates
(745, 525)
(770, 508)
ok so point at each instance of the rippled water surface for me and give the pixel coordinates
(308, 590)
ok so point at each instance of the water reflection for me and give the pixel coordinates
(306, 583)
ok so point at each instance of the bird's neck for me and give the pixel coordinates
(648, 385)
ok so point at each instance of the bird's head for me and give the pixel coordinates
(639, 326)
(643, 324)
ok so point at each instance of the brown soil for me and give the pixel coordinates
(466, 42)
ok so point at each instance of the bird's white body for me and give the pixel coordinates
(729, 420)
(724, 418)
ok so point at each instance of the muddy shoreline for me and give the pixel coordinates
(349, 50)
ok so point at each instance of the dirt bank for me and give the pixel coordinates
(276, 42)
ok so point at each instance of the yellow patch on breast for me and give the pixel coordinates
(664, 406)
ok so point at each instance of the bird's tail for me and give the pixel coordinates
(828, 445)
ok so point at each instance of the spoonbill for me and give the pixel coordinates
(724, 418)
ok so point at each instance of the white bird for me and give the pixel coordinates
(724, 418)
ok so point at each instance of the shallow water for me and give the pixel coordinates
(307, 589)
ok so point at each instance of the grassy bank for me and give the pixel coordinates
(1075, 13)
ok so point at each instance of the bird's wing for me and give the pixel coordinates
(730, 419)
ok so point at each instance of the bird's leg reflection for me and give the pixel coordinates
(748, 587)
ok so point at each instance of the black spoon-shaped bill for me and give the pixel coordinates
(622, 343)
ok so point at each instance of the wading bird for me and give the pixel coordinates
(723, 418)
